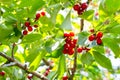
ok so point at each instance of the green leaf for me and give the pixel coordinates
(82, 37)
(5, 31)
(100, 49)
(10, 19)
(56, 53)
(34, 65)
(31, 38)
(108, 6)
(62, 66)
(88, 15)
(87, 58)
(112, 44)
(66, 24)
(102, 60)
(114, 29)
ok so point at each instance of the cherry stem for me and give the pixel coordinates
(47, 63)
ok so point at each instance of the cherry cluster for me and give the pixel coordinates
(28, 26)
(96, 37)
(70, 43)
(81, 49)
(80, 8)
(2, 73)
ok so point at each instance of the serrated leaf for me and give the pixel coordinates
(66, 24)
(31, 38)
(112, 44)
(102, 60)
(82, 37)
(87, 58)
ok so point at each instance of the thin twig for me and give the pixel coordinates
(47, 63)
(18, 64)
(82, 24)
(13, 47)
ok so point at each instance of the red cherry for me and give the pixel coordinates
(25, 32)
(80, 11)
(2, 73)
(68, 40)
(75, 41)
(84, 6)
(91, 37)
(99, 41)
(99, 35)
(35, 26)
(64, 51)
(66, 45)
(72, 44)
(76, 7)
(37, 16)
(92, 30)
(30, 28)
(46, 73)
(71, 51)
(65, 78)
(27, 23)
(79, 50)
(29, 77)
(43, 13)
(71, 34)
(66, 35)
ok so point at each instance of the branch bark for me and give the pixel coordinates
(75, 55)
(18, 64)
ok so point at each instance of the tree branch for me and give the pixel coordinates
(18, 64)
(47, 63)
(75, 54)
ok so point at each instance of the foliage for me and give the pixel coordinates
(47, 40)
